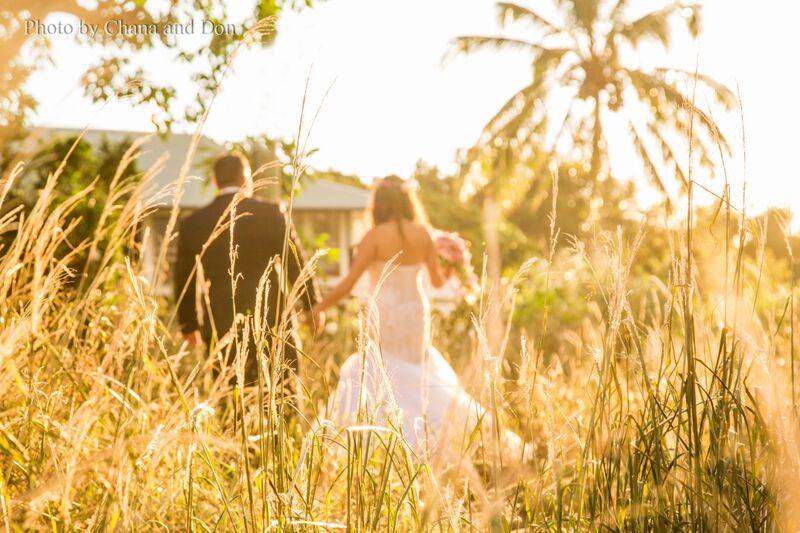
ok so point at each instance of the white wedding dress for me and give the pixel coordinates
(398, 379)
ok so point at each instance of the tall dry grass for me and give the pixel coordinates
(668, 409)
(671, 407)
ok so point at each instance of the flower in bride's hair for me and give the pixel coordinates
(393, 181)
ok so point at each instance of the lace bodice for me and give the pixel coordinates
(408, 380)
(403, 314)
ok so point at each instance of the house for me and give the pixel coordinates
(333, 215)
(326, 213)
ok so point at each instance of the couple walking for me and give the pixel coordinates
(400, 378)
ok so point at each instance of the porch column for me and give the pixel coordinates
(344, 242)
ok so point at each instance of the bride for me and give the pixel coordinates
(399, 378)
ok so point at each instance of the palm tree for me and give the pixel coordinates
(579, 56)
(496, 175)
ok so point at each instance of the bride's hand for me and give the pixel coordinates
(446, 270)
(317, 320)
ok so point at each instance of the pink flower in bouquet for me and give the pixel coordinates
(452, 248)
(453, 251)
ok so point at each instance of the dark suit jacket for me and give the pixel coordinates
(258, 236)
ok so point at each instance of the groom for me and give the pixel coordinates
(259, 230)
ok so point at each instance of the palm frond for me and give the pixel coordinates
(547, 60)
(618, 11)
(667, 153)
(511, 12)
(722, 93)
(702, 144)
(516, 112)
(585, 13)
(465, 44)
(650, 168)
(656, 25)
(695, 21)
(528, 127)
(521, 104)
(646, 83)
(564, 125)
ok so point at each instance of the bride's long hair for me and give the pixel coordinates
(394, 199)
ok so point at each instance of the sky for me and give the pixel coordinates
(384, 98)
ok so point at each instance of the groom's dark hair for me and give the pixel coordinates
(229, 170)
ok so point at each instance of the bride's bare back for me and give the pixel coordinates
(385, 242)
(410, 248)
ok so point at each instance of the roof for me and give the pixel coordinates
(321, 194)
(316, 194)
(197, 190)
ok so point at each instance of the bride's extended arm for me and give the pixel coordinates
(365, 254)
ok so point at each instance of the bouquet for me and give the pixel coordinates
(453, 253)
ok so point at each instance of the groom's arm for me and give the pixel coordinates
(184, 284)
(295, 263)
